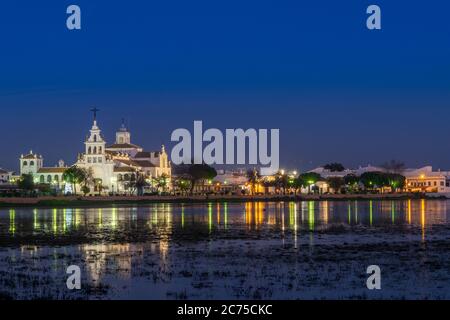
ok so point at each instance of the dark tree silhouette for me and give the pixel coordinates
(334, 167)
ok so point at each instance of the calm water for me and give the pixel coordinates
(305, 250)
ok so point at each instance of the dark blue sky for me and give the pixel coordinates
(337, 91)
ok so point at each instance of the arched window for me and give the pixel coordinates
(133, 177)
(119, 177)
(99, 149)
(95, 150)
(126, 177)
(89, 150)
(49, 178)
(56, 178)
(25, 163)
(31, 163)
(95, 138)
(42, 179)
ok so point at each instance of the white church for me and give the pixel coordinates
(111, 166)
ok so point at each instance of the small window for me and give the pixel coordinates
(25, 163)
(49, 178)
(31, 163)
(95, 160)
(99, 159)
(89, 160)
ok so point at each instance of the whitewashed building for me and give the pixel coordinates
(5, 176)
(426, 180)
(33, 164)
(112, 167)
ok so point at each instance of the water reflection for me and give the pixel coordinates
(218, 217)
(422, 219)
(123, 234)
(12, 221)
(371, 212)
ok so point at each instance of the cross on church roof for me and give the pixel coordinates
(95, 110)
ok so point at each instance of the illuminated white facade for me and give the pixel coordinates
(112, 168)
(427, 180)
(5, 176)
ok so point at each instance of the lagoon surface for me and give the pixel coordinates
(273, 250)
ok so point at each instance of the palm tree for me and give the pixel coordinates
(140, 183)
(88, 177)
(74, 175)
(282, 181)
(254, 178)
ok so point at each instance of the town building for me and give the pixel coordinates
(231, 182)
(417, 180)
(33, 164)
(5, 176)
(112, 169)
(427, 180)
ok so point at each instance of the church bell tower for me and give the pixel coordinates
(123, 136)
(95, 144)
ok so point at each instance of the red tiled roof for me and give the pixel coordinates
(144, 163)
(146, 154)
(52, 170)
(137, 163)
(123, 146)
(31, 156)
(127, 162)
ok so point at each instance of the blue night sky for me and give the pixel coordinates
(337, 91)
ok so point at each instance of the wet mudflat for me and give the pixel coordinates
(305, 250)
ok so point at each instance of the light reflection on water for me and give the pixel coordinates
(218, 217)
(116, 239)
